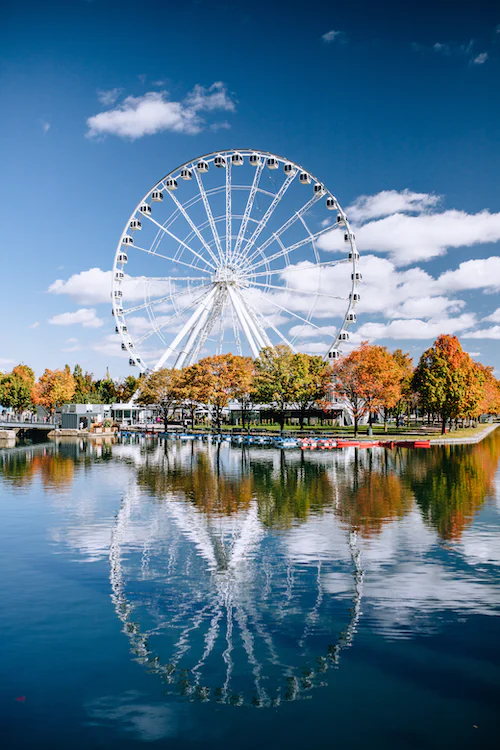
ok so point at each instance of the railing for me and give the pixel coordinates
(30, 424)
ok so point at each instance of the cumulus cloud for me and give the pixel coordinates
(484, 333)
(87, 287)
(154, 112)
(416, 329)
(494, 317)
(390, 202)
(331, 36)
(481, 58)
(409, 239)
(87, 317)
(482, 273)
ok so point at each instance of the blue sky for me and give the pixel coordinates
(396, 104)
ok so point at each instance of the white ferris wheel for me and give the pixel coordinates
(227, 253)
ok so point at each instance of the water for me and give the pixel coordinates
(195, 595)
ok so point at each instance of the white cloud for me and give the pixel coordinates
(443, 48)
(416, 329)
(109, 97)
(484, 333)
(409, 239)
(482, 273)
(6, 362)
(86, 317)
(390, 202)
(224, 125)
(215, 97)
(87, 287)
(45, 126)
(153, 113)
(330, 36)
(481, 58)
(494, 317)
(35, 324)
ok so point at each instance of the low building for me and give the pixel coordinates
(83, 416)
(132, 414)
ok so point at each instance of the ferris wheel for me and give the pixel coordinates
(234, 251)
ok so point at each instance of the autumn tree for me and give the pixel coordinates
(161, 388)
(126, 388)
(407, 398)
(16, 387)
(54, 388)
(221, 378)
(313, 382)
(490, 402)
(448, 380)
(369, 379)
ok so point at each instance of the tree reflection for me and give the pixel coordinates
(451, 483)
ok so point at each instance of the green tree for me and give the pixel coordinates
(15, 390)
(161, 388)
(276, 380)
(313, 382)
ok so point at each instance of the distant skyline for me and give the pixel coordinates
(396, 109)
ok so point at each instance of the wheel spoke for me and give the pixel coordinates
(176, 314)
(294, 269)
(248, 207)
(274, 203)
(193, 226)
(289, 312)
(228, 209)
(209, 213)
(268, 323)
(274, 236)
(160, 300)
(181, 242)
(172, 259)
(296, 291)
(291, 248)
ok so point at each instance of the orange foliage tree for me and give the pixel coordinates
(369, 379)
(54, 388)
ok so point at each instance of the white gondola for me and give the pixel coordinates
(356, 276)
(355, 297)
(272, 163)
(202, 166)
(122, 258)
(254, 160)
(135, 225)
(157, 196)
(220, 162)
(341, 219)
(319, 188)
(118, 294)
(304, 178)
(145, 209)
(353, 254)
(119, 310)
(119, 276)
(124, 347)
(351, 317)
(186, 174)
(288, 168)
(344, 336)
(131, 362)
(171, 184)
(334, 354)
(127, 240)
(237, 160)
(331, 203)
(348, 237)
(121, 329)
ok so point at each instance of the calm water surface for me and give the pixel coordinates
(195, 595)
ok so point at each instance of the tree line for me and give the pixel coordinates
(372, 381)
(20, 391)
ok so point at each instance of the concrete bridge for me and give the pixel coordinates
(18, 425)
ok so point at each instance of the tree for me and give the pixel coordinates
(161, 388)
(16, 387)
(84, 387)
(448, 380)
(222, 378)
(368, 379)
(407, 398)
(313, 382)
(275, 379)
(54, 388)
(126, 388)
(490, 402)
